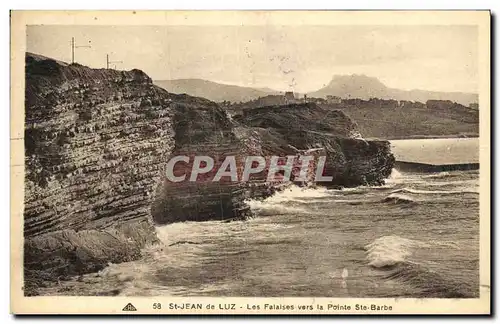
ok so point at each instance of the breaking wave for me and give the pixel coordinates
(452, 174)
(439, 175)
(281, 202)
(392, 255)
(264, 208)
(395, 177)
(390, 250)
(295, 192)
(431, 284)
(396, 198)
(441, 192)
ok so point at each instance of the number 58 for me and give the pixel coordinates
(156, 305)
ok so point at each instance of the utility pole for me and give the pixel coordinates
(108, 61)
(73, 46)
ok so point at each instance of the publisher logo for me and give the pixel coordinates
(129, 308)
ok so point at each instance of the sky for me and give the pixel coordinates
(299, 58)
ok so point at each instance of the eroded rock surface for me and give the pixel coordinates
(350, 160)
(96, 143)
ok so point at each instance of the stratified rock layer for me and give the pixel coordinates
(350, 160)
(96, 143)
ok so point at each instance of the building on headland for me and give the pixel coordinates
(290, 97)
(333, 99)
(403, 103)
(474, 105)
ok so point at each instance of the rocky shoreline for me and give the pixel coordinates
(97, 141)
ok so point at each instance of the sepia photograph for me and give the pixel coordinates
(251, 162)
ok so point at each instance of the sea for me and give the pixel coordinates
(415, 236)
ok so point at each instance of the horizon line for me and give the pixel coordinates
(335, 75)
(264, 87)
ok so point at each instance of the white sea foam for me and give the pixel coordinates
(349, 189)
(279, 203)
(297, 192)
(395, 175)
(265, 208)
(390, 250)
(444, 174)
(441, 192)
(399, 198)
(398, 177)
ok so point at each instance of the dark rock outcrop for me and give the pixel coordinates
(391, 119)
(96, 143)
(201, 131)
(350, 160)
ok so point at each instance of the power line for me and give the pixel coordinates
(74, 46)
(108, 61)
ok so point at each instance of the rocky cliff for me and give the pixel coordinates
(96, 142)
(350, 160)
(96, 145)
(392, 119)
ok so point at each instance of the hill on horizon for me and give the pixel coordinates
(214, 91)
(366, 87)
(344, 86)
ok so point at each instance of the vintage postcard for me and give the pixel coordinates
(250, 162)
